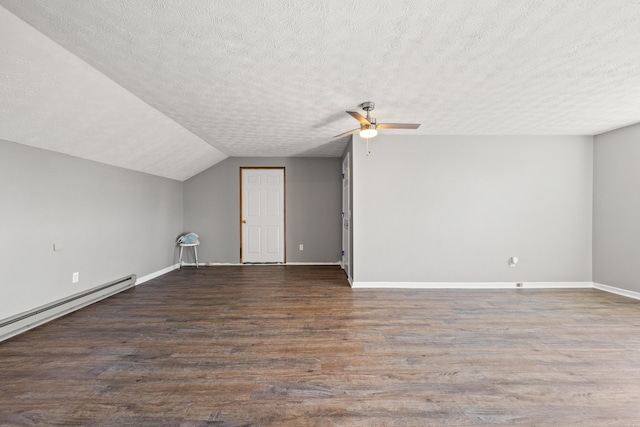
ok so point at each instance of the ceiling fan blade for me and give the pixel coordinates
(347, 132)
(397, 125)
(359, 117)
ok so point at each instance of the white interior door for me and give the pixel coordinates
(262, 216)
(346, 216)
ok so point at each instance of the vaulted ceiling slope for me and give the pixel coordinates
(51, 99)
(171, 87)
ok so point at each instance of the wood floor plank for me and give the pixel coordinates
(296, 346)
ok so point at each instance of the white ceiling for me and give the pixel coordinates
(172, 87)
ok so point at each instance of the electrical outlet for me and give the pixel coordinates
(301, 247)
(76, 277)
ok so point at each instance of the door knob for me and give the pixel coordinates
(244, 221)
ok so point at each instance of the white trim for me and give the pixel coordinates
(313, 263)
(618, 291)
(157, 274)
(471, 285)
(232, 264)
(215, 264)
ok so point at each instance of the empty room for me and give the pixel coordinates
(285, 213)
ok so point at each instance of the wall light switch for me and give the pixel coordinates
(76, 277)
(301, 247)
(57, 247)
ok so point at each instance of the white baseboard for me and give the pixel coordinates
(158, 273)
(202, 264)
(416, 285)
(228, 264)
(313, 263)
(618, 291)
(470, 285)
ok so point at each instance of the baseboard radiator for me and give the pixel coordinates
(22, 322)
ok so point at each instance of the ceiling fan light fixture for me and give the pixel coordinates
(369, 126)
(368, 131)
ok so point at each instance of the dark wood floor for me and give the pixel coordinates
(295, 346)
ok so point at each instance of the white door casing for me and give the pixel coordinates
(262, 215)
(346, 216)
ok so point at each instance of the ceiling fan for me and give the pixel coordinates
(368, 126)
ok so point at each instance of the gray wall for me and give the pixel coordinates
(92, 209)
(313, 191)
(616, 208)
(455, 208)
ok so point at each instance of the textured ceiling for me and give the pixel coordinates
(273, 78)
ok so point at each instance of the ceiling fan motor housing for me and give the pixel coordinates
(368, 106)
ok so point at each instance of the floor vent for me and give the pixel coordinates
(30, 319)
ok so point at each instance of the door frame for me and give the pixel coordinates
(284, 204)
(346, 215)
